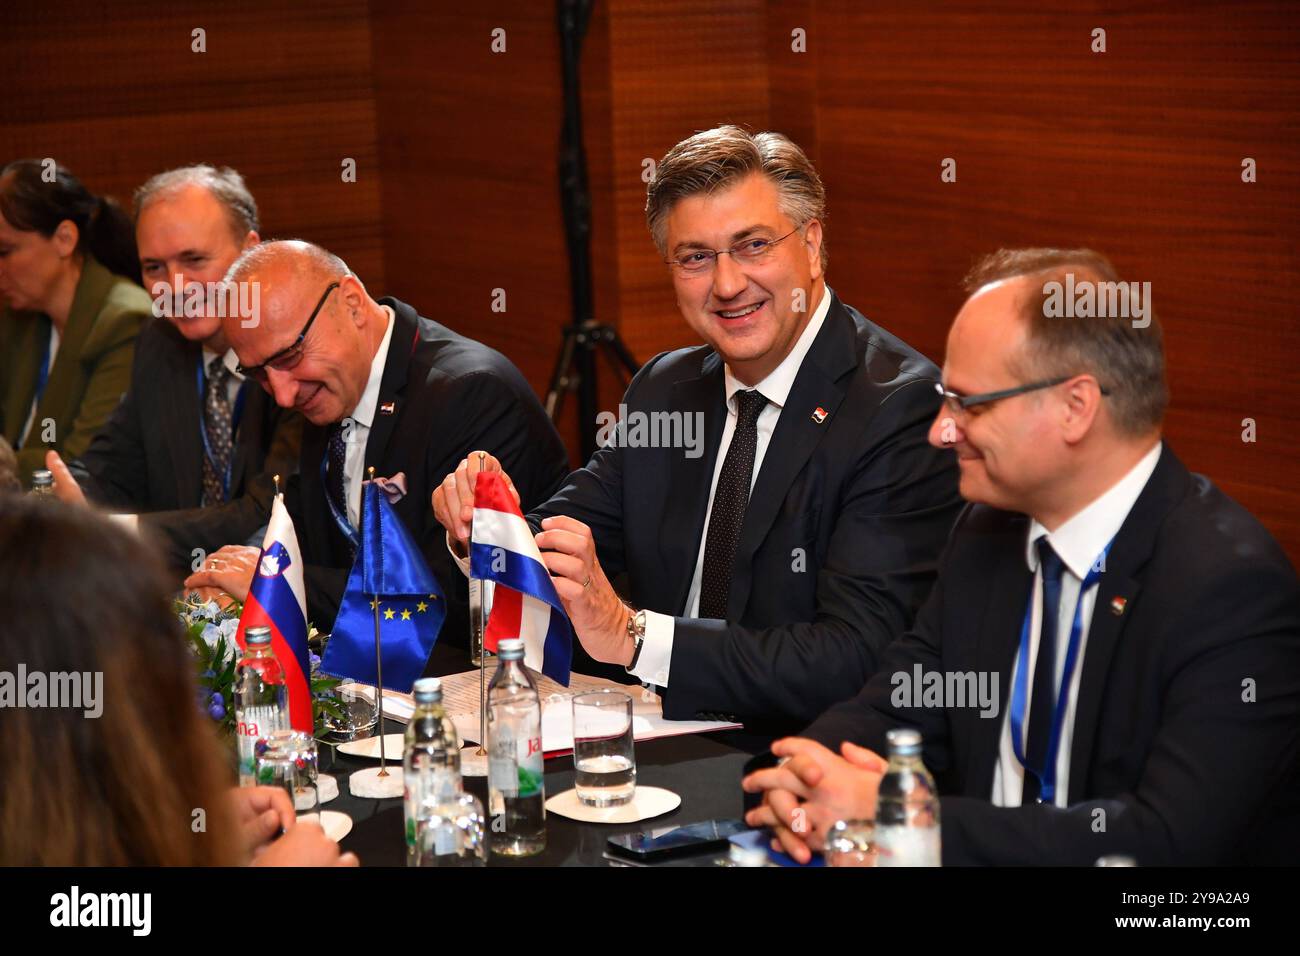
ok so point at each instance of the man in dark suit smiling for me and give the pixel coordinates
(1142, 627)
(381, 386)
(766, 575)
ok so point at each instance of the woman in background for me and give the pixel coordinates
(72, 307)
(121, 787)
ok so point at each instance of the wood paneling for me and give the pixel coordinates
(283, 94)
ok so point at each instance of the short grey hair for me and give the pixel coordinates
(720, 157)
(1128, 361)
(225, 184)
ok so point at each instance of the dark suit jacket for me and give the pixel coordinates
(1183, 768)
(89, 374)
(840, 538)
(451, 395)
(148, 457)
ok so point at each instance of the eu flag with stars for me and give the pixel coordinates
(389, 575)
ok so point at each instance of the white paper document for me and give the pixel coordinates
(460, 698)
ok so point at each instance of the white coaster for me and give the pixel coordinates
(647, 802)
(335, 824)
(368, 783)
(393, 744)
(327, 788)
(472, 764)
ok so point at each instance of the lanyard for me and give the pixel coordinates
(43, 376)
(340, 517)
(201, 378)
(1047, 774)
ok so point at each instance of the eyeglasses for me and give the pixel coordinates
(958, 402)
(701, 261)
(287, 358)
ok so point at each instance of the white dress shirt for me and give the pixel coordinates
(655, 662)
(362, 418)
(1079, 543)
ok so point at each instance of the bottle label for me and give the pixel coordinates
(908, 846)
(503, 770)
(530, 759)
(251, 724)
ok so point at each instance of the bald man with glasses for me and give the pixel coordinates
(379, 386)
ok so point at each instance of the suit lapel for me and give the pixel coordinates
(30, 333)
(92, 290)
(182, 416)
(1131, 550)
(689, 478)
(1005, 599)
(820, 383)
(393, 382)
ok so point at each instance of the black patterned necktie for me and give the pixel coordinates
(217, 423)
(1042, 705)
(730, 499)
(338, 456)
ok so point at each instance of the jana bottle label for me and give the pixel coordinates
(250, 725)
(515, 765)
(908, 846)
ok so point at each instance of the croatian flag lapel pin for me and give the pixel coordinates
(819, 415)
(387, 408)
(1117, 605)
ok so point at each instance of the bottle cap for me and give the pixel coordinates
(427, 690)
(259, 636)
(511, 649)
(904, 742)
(42, 477)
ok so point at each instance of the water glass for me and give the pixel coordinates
(287, 759)
(602, 748)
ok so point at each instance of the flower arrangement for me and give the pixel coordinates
(210, 629)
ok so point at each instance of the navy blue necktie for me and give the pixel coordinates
(1043, 703)
(336, 484)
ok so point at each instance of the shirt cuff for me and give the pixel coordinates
(462, 563)
(656, 649)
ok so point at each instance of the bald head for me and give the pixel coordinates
(315, 331)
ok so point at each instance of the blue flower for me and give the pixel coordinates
(216, 707)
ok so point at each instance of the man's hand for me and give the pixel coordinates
(453, 500)
(261, 812)
(599, 615)
(231, 570)
(305, 845)
(66, 488)
(812, 789)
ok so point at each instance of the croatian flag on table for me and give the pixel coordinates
(524, 602)
(278, 599)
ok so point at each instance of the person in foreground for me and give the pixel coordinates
(114, 775)
(770, 560)
(1172, 693)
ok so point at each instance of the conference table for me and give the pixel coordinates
(703, 769)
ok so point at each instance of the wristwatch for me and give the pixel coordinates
(636, 631)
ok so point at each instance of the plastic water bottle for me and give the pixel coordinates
(261, 698)
(907, 806)
(43, 483)
(516, 797)
(444, 825)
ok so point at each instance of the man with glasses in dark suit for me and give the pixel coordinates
(768, 564)
(1141, 627)
(381, 386)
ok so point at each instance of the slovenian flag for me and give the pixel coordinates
(278, 599)
(524, 602)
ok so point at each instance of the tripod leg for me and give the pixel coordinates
(561, 376)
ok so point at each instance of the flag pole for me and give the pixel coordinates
(276, 479)
(379, 671)
(482, 648)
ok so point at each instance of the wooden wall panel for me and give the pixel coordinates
(1136, 152)
(115, 92)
